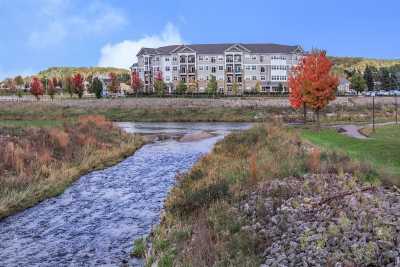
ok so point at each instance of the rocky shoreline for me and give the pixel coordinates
(325, 220)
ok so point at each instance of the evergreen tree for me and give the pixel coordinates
(369, 78)
(385, 79)
(97, 88)
(280, 88)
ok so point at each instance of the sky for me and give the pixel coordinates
(37, 34)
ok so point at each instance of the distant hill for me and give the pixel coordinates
(68, 71)
(359, 63)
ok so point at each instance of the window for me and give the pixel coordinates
(200, 67)
(175, 68)
(174, 59)
(167, 78)
(248, 78)
(157, 58)
(261, 58)
(262, 69)
(220, 58)
(262, 78)
(248, 67)
(239, 79)
(213, 69)
(238, 58)
(220, 67)
(201, 58)
(206, 68)
(175, 78)
(254, 57)
(206, 58)
(213, 59)
(166, 59)
(254, 78)
(254, 67)
(167, 68)
(183, 78)
(229, 58)
(238, 68)
(247, 57)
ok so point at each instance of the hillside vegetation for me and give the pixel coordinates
(68, 71)
(359, 63)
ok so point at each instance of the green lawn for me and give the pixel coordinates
(382, 150)
(30, 123)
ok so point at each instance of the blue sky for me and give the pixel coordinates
(36, 34)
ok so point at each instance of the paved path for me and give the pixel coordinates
(353, 130)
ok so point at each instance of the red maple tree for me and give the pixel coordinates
(159, 76)
(77, 84)
(36, 87)
(136, 83)
(312, 84)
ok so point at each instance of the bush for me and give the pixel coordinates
(139, 248)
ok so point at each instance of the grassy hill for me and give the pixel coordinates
(65, 71)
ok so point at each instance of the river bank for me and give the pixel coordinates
(261, 185)
(39, 163)
(344, 110)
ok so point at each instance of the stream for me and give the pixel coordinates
(95, 221)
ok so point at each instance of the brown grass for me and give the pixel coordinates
(37, 163)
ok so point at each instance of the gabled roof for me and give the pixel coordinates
(221, 48)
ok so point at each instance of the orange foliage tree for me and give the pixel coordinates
(36, 87)
(51, 90)
(312, 84)
(113, 82)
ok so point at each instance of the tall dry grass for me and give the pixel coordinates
(37, 163)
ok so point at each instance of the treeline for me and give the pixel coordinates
(373, 78)
(75, 84)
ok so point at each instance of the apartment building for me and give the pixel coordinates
(242, 64)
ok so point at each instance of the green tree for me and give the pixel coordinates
(235, 88)
(258, 87)
(280, 88)
(357, 82)
(181, 88)
(19, 81)
(97, 88)
(212, 86)
(385, 79)
(160, 87)
(369, 78)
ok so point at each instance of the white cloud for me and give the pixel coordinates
(60, 19)
(123, 54)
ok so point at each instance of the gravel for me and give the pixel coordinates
(320, 220)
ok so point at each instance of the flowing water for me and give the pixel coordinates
(95, 221)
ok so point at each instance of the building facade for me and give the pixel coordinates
(235, 66)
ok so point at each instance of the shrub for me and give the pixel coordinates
(139, 248)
